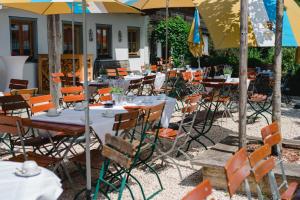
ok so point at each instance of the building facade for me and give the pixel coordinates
(110, 37)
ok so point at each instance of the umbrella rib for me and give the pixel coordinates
(145, 4)
(47, 8)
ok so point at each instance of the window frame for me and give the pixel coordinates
(69, 23)
(32, 22)
(109, 27)
(138, 41)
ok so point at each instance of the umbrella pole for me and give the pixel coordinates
(167, 29)
(87, 124)
(199, 63)
(73, 47)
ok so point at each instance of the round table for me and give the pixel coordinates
(45, 186)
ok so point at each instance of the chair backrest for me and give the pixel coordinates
(104, 94)
(149, 77)
(18, 84)
(261, 163)
(198, 76)
(153, 68)
(269, 130)
(57, 77)
(200, 192)
(13, 126)
(9, 124)
(41, 103)
(122, 71)
(111, 72)
(13, 102)
(237, 170)
(187, 76)
(72, 94)
(172, 74)
(125, 121)
(153, 113)
(191, 103)
(30, 91)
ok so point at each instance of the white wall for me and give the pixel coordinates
(118, 22)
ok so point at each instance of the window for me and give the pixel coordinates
(22, 33)
(104, 39)
(133, 41)
(67, 37)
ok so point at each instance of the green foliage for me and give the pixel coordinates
(117, 90)
(298, 2)
(177, 38)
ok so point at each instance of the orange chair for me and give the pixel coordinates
(201, 192)
(57, 77)
(104, 94)
(187, 76)
(41, 103)
(237, 170)
(111, 73)
(272, 137)
(154, 68)
(122, 71)
(72, 95)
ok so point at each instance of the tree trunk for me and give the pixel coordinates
(54, 53)
(276, 107)
(243, 73)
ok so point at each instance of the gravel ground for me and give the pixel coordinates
(175, 187)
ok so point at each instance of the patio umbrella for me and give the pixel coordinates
(49, 7)
(195, 40)
(222, 21)
(154, 4)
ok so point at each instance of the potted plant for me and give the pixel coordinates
(227, 72)
(117, 93)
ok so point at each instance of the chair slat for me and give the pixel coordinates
(263, 168)
(272, 140)
(201, 192)
(120, 144)
(116, 156)
(259, 154)
(269, 130)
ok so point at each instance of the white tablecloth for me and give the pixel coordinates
(45, 186)
(102, 125)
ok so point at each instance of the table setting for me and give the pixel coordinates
(102, 117)
(29, 181)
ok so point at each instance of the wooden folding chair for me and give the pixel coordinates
(41, 104)
(111, 73)
(148, 85)
(27, 92)
(104, 95)
(272, 137)
(135, 87)
(154, 68)
(13, 126)
(14, 104)
(237, 171)
(124, 125)
(122, 71)
(18, 84)
(189, 113)
(200, 192)
(262, 164)
(58, 78)
(72, 95)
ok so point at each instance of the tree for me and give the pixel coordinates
(54, 53)
(276, 107)
(178, 31)
(243, 73)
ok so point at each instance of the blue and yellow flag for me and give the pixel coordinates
(195, 40)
